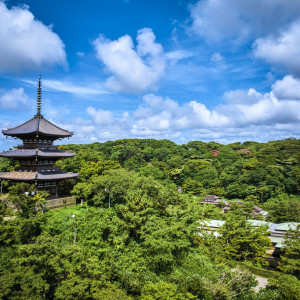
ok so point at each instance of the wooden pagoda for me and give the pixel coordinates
(37, 155)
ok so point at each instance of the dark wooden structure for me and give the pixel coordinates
(37, 155)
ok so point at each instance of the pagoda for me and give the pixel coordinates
(37, 155)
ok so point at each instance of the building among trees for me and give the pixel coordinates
(37, 155)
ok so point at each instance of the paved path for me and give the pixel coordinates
(262, 282)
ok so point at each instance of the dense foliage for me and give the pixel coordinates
(148, 244)
(251, 171)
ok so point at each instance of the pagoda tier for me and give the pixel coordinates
(37, 155)
(36, 129)
(41, 153)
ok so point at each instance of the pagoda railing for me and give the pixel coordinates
(34, 168)
(49, 148)
(39, 146)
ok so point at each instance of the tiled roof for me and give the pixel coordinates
(278, 241)
(57, 153)
(272, 227)
(38, 124)
(211, 197)
(257, 208)
(287, 226)
(257, 223)
(39, 176)
(56, 176)
(34, 152)
(213, 223)
(19, 153)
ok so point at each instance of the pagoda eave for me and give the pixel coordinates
(35, 133)
(38, 125)
(37, 176)
(59, 176)
(18, 176)
(24, 153)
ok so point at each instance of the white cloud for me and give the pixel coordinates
(72, 88)
(178, 55)
(132, 69)
(146, 43)
(248, 114)
(287, 88)
(270, 110)
(80, 54)
(218, 20)
(14, 99)
(206, 118)
(282, 50)
(100, 117)
(26, 43)
(217, 58)
(243, 97)
(251, 107)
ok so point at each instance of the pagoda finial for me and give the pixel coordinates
(39, 97)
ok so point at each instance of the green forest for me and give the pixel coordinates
(134, 233)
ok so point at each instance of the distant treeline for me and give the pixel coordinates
(250, 170)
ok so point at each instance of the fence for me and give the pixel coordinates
(61, 202)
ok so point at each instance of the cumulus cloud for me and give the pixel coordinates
(282, 50)
(287, 88)
(27, 43)
(246, 114)
(241, 20)
(253, 108)
(100, 117)
(14, 99)
(132, 69)
(245, 97)
(270, 110)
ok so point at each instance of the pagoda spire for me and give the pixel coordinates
(39, 97)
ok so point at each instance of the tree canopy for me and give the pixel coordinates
(148, 244)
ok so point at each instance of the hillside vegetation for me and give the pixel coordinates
(266, 174)
(147, 245)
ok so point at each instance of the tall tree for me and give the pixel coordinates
(290, 259)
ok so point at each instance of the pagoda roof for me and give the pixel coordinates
(39, 176)
(22, 153)
(55, 176)
(38, 125)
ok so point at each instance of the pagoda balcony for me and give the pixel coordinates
(33, 168)
(38, 146)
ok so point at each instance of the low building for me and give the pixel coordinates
(216, 200)
(276, 232)
(212, 199)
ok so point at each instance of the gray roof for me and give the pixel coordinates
(287, 226)
(211, 197)
(278, 241)
(257, 223)
(33, 152)
(38, 124)
(213, 223)
(55, 175)
(39, 176)
(15, 175)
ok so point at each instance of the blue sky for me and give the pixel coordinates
(209, 70)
